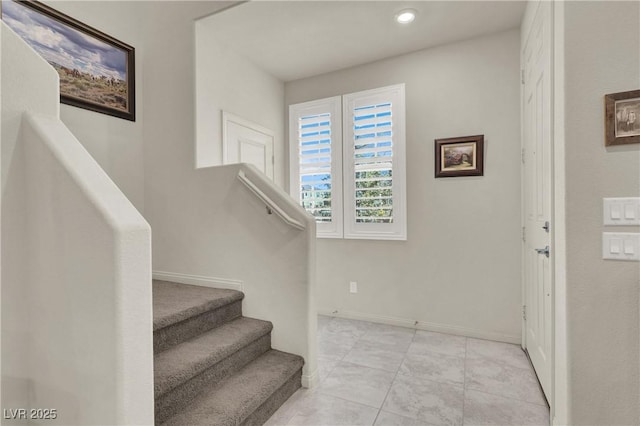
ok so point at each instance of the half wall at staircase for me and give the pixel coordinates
(76, 256)
(234, 236)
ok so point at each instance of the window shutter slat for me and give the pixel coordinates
(315, 119)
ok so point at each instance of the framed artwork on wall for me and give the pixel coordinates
(97, 72)
(461, 156)
(622, 118)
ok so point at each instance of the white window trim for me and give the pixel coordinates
(334, 107)
(377, 231)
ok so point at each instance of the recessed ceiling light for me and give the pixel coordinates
(406, 16)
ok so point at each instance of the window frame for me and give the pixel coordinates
(343, 224)
(377, 231)
(332, 105)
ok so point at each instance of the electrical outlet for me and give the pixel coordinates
(353, 287)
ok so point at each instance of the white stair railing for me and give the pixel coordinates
(272, 206)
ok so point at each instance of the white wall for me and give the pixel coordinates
(602, 55)
(228, 82)
(0, 216)
(116, 144)
(459, 270)
(90, 348)
(32, 89)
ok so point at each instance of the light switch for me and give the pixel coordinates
(615, 212)
(629, 211)
(628, 247)
(621, 211)
(614, 246)
(621, 246)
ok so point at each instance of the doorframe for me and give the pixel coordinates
(560, 412)
(559, 398)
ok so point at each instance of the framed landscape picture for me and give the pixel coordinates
(97, 72)
(622, 118)
(461, 156)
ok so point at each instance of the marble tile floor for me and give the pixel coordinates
(375, 374)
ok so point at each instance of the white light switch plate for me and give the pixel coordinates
(621, 211)
(621, 246)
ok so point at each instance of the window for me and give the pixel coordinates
(374, 164)
(316, 162)
(348, 163)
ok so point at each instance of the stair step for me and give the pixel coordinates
(184, 370)
(173, 302)
(182, 311)
(249, 396)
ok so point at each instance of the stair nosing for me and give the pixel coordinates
(298, 384)
(300, 364)
(190, 370)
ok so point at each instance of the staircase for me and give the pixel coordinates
(212, 366)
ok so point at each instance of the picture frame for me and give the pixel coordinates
(460, 156)
(622, 118)
(97, 71)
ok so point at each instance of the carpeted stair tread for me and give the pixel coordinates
(180, 363)
(174, 302)
(237, 398)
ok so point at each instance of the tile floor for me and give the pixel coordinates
(374, 374)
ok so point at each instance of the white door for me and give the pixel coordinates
(247, 142)
(537, 139)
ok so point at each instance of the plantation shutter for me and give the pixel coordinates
(347, 163)
(373, 163)
(374, 151)
(315, 172)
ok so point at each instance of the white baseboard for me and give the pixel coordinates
(198, 280)
(422, 325)
(310, 381)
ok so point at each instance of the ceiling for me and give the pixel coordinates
(298, 39)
